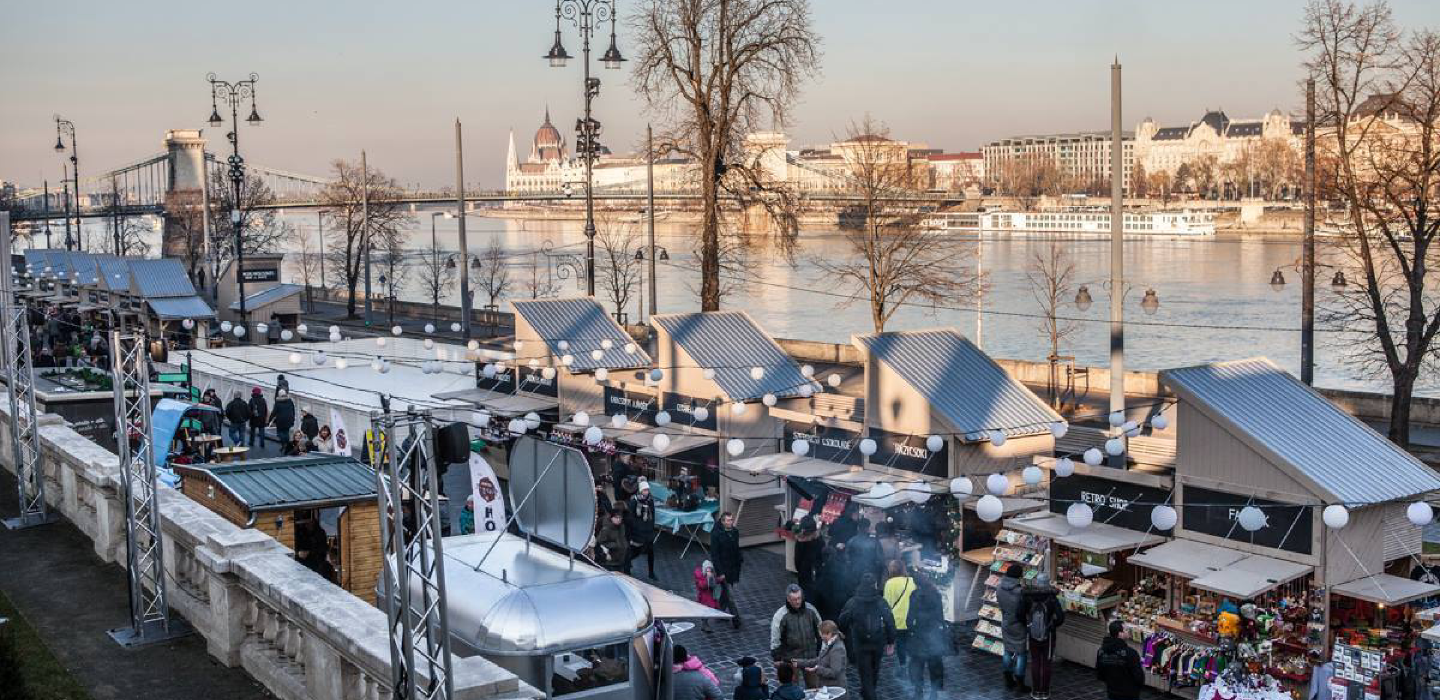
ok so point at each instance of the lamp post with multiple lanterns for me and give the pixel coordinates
(234, 94)
(584, 14)
(62, 128)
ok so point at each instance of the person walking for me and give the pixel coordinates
(863, 551)
(690, 680)
(899, 587)
(1118, 666)
(929, 638)
(282, 414)
(1041, 610)
(870, 627)
(706, 582)
(1008, 597)
(259, 416)
(640, 528)
(725, 552)
(611, 545)
(827, 668)
(809, 549)
(752, 684)
(794, 628)
(237, 415)
(831, 581)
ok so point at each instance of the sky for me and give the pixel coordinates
(391, 78)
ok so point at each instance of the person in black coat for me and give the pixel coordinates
(726, 555)
(809, 550)
(259, 416)
(844, 527)
(869, 630)
(1117, 665)
(834, 581)
(1041, 598)
(282, 415)
(640, 528)
(309, 424)
(863, 551)
(237, 415)
(929, 637)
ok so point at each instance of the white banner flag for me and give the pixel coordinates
(489, 503)
(340, 437)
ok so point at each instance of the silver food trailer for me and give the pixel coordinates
(533, 604)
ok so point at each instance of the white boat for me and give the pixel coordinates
(1075, 221)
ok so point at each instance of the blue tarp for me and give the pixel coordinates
(166, 419)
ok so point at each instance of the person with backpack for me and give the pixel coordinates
(1043, 614)
(863, 551)
(1009, 594)
(899, 587)
(789, 689)
(1118, 666)
(870, 628)
(794, 628)
(725, 552)
(752, 684)
(929, 637)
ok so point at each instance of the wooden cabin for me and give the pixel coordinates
(277, 495)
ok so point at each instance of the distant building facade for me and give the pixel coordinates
(1081, 160)
(1214, 135)
(956, 172)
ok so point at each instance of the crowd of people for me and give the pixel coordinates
(246, 422)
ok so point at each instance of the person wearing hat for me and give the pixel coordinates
(1009, 595)
(640, 528)
(1118, 666)
(870, 628)
(1042, 613)
(809, 551)
(259, 416)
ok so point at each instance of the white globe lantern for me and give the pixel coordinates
(662, 418)
(879, 491)
(1335, 516)
(581, 418)
(1251, 518)
(606, 344)
(768, 399)
(619, 421)
(188, 323)
(286, 335)
(807, 371)
(660, 442)
(920, 491)
(548, 373)
(630, 348)
(868, 447)
(1032, 475)
(489, 370)
(601, 374)
(737, 408)
(320, 358)
(1117, 418)
(934, 443)
(567, 360)
(516, 426)
(597, 355)
(262, 328)
(1129, 426)
(341, 363)
(334, 330)
(1059, 429)
(800, 447)
(563, 345)
(455, 328)
(1420, 513)
(701, 413)
(960, 487)
(396, 330)
(757, 373)
(429, 328)
(532, 419)
(989, 508)
(593, 435)
(239, 331)
(1114, 447)
(997, 484)
(1079, 516)
(380, 341)
(294, 358)
(1064, 467)
(834, 380)
(1160, 422)
(429, 344)
(735, 447)
(1164, 517)
(657, 374)
(225, 326)
(806, 390)
(1093, 457)
(708, 373)
(997, 438)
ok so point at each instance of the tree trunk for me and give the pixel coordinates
(710, 242)
(1404, 383)
(351, 283)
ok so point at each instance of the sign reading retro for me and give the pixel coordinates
(1114, 502)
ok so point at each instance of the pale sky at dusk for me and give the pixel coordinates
(391, 77)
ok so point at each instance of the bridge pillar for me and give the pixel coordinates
(184, 231)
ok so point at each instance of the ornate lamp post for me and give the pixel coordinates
(584, 14)
(62, 128)
(233, 94)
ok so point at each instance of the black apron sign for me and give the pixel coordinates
(682, 411)
(1217, 513)
(638, 408)
(533, 381)
(502, 383)
(1114, 502)
(908, 453)
(830, 444)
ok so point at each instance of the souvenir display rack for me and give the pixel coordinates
(1029, 551)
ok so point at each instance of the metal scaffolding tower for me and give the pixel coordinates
(412, 584)
(150, 619)
(19, 370)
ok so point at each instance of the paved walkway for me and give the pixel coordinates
(52, 576)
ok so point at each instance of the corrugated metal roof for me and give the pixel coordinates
(268, 483)
(267, 296)
(1301, 431)
(162, 277)
(83, 268)
(730, 343)
(963, 385)
(169, 308)
(583, 323)
(39, 259)
(115, 271)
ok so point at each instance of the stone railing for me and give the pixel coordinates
(300, 636)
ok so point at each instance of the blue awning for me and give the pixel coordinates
(171, 308)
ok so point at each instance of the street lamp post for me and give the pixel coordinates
(656, 252)
(234, 94)
(435, 268)
(62, 128)
(584, 14)
(65, 185)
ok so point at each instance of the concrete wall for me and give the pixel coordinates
(298, 635)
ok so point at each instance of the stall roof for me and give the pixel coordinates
(731, 343)
(1097, 537)
(517, 404)
(160, 277)
(269, 295)
(963, 385)
(1251, 576)
(679, 442)
(115, 272)
(281, 482)
(1301, 431)
(865, 478)
(789, 464)
(474, 395)
(1187, 558)
(1010, 505)
(1386, 589)
(169, 308)
(583, 323)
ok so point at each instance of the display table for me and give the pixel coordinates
(692, 522)
(225, 455)
(827, 693)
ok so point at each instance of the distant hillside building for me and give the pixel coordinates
(1166, 148)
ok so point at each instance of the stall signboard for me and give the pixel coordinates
(636, 407)
(909, 453)
(1217, 513)
(682, 410)
(828, 443)
(261, 274)
(533, 381)
(1114, 502)
(502, 383)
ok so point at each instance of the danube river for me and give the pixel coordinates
(1216, 302)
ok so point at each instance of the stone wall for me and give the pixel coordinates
(300, 636)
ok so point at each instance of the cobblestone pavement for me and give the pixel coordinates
(970, 674)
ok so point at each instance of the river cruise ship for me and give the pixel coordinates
(1078, 221)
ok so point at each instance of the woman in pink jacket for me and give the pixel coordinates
(705, 585)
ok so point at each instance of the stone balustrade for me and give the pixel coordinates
(300, 636)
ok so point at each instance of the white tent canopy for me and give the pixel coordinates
(1386, 589)
(1251, 576)
(1187, 558)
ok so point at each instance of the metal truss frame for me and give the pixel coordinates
(19, 370)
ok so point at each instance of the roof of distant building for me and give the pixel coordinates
(1245, 129)
(1171, 133)
(963, 155)
(269, 295)
(1215, 119)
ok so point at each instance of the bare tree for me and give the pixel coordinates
(437, 274)
(715, 71)
(893, 259)
(186, 209)
(618, 272)
(1051, 273)
(125, 229)
(307, 263)
(538, 283)
(1378, 93)
(1161, 185)
(346, 227)
(1028, 177)
(261, 230)
(493, 277)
